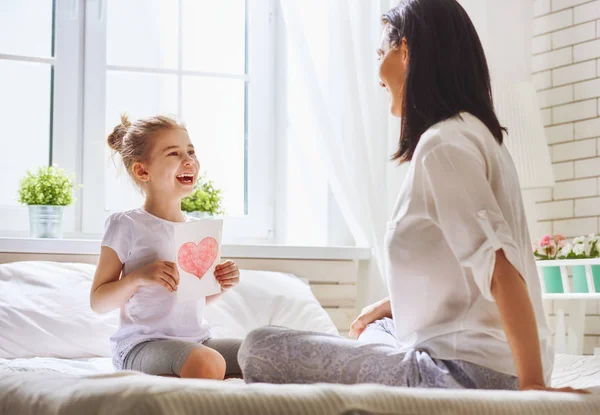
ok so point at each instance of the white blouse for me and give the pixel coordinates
(459, 204)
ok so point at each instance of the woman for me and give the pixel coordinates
(464, 290)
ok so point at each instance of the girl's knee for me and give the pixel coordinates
(204, 363)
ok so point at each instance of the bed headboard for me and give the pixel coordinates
(334, 282)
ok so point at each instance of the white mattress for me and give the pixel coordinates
(582, 372)
(77, 367)
(574, 371)
(60, 386)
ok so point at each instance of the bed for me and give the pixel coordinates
(54, 358)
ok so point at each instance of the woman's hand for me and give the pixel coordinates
(370, 314)
(163, 273)
(227, 274)
(548, 389)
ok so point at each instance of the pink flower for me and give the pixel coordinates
(551, 249)
(562, 243)
(545, 241)
(558, 238)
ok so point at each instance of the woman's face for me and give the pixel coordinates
(392, 70)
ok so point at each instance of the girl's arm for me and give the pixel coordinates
(512, 297)
(228, 276)
(108, 291)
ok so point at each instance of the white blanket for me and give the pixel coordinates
(126, 393)
(88, 386)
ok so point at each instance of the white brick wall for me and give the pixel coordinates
(587, 207)
(574, 150)
(564, 4)
(575, 111)
(563, 171)
(574, 73)
(554, 210)
(573, 35)
(585, 90)
(587, 168)
(584, 13)
(547, 117)
(569, 98)
(555, 96)
(542, 80)
(553, 59)
(541, 44)
(575, 227)
(586, 51)
(575, 189)
(541, 7)
(560, 133)
(552, 22)
(587, 128)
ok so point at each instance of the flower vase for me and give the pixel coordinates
(45, 221)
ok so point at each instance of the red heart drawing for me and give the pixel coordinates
(197, 259)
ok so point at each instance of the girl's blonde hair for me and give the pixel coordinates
(133, 141)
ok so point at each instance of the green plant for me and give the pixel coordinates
(206, 198)
(50, 185)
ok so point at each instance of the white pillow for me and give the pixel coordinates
(45, 311)
(267, 298)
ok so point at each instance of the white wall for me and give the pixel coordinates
(566, 72)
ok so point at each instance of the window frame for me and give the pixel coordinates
(66, 101)
(257, 225)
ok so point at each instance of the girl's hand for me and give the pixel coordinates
(227, 274)
(163, 273)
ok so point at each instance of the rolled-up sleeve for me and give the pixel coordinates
(461, 202)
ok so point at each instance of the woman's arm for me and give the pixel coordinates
(512, 297)
(108, 291)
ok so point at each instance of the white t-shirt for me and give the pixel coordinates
(140, 238)
(460, 203)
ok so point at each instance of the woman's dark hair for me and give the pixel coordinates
(447, 71)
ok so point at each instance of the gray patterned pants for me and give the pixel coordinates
(279, 355)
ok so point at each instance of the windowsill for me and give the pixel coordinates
(92, 247)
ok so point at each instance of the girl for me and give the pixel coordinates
(136, 271)
(465, 306)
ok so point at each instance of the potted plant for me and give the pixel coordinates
(581, 248)
(548, 249)
(46, 193)
(205, 201)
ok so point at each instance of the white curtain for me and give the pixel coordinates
(336, 106)
(505, 28)
(340, 116)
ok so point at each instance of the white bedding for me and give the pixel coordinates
(44, 312)
(41, 393)
(574, 371)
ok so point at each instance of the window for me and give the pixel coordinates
(38, 39)
(208, 63)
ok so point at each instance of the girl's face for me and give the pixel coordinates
(172, 167)
(392, 70)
